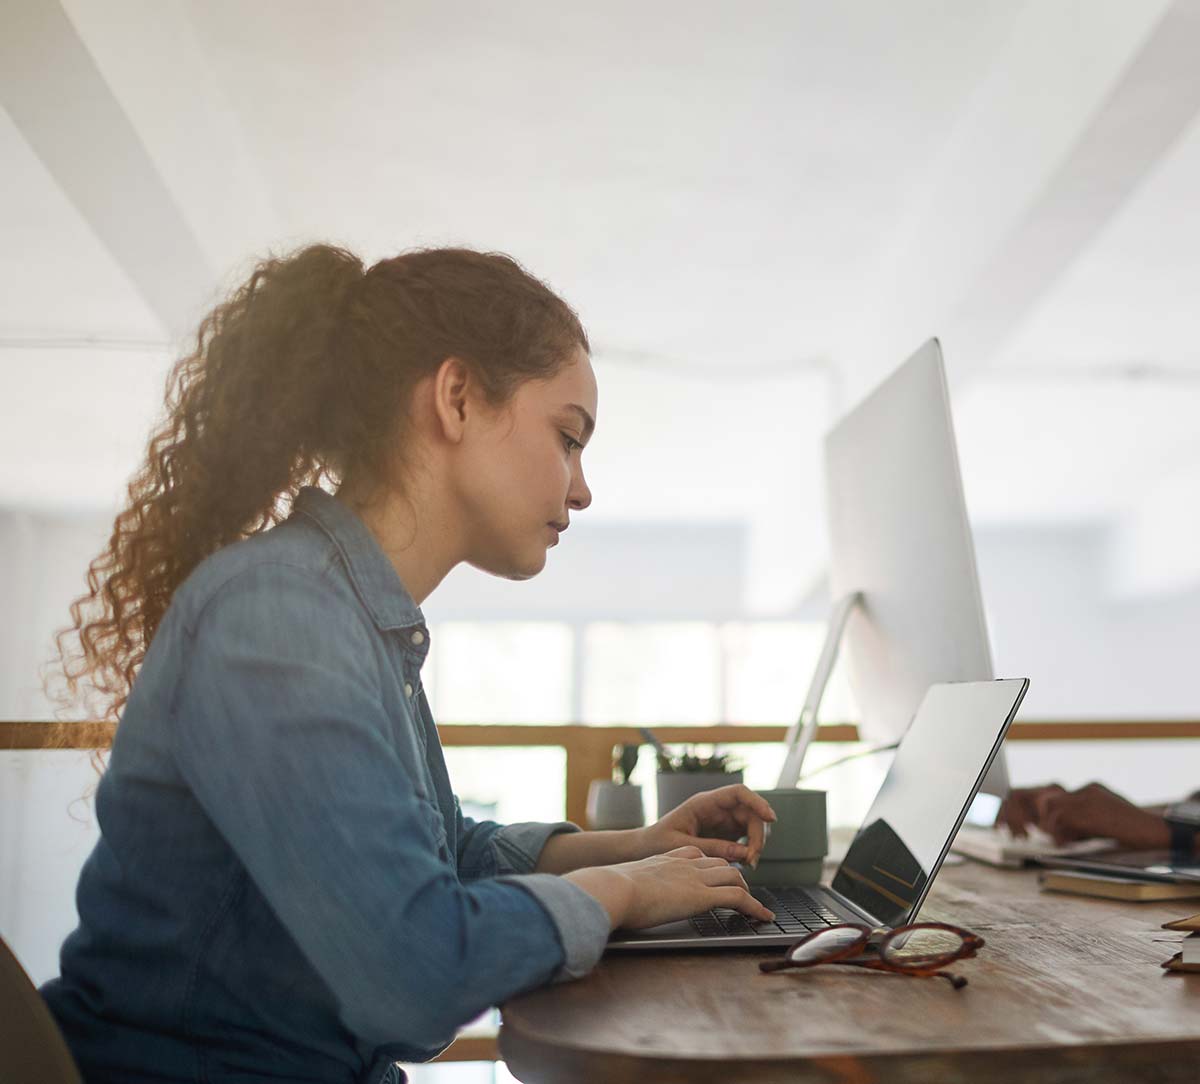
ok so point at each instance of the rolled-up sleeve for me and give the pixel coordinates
(519, 846)
(510, 852)
(488, 849)
(280, 732)
(583, 923)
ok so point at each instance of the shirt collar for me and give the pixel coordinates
(373, 575)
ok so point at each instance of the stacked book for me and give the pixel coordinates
(1113, 887)
(1188, 956)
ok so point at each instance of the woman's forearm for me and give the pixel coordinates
(581, 850)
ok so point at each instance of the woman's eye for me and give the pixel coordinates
(570, 442)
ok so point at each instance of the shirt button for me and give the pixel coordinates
(418, 638)
(407, 689)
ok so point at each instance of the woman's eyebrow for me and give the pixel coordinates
(589, 423)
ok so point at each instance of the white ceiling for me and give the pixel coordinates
(757, 209)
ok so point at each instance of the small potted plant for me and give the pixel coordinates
(683, 774)
(617, 802)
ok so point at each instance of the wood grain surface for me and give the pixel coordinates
(1067, 989)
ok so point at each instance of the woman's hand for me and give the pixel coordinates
(1091, 811)
(665, 887)
(712, 821)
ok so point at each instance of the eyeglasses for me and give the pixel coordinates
(922, 949)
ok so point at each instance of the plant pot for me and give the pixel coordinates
(614, 805)
(798, 840)
(677, 787)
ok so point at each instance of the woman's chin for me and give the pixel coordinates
(532, 566)
(514, 567)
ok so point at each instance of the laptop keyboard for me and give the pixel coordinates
(796, 912)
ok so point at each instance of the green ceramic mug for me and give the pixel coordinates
(798, 840)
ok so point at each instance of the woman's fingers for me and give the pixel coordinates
(725, 849)
(687, 851)
(712, 862)
(735, 811)
(731, 889)
(755, 837)
(739, 800)
(743, 796)
(750, 825)
(741, 900)
(723, 875)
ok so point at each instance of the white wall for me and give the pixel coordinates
(43, 567)
(47, 826)
(1089, 652)
(47, 829)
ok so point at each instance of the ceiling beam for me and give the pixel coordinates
(1155, 101)
(56, 95)
(179, 94)
(1082, 101)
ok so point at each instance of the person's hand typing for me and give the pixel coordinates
(1086, 813)
(665, 887)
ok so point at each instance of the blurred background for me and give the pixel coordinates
(758, 209)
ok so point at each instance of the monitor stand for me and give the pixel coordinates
(801, 733)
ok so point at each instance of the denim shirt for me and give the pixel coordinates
(284, 885)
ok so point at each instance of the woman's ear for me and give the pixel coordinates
(451, 391)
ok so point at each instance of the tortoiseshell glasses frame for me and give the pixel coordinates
(937, 945)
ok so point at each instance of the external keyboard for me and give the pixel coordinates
(796, 912)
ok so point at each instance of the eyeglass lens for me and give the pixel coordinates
(921, 947)
(827, 943)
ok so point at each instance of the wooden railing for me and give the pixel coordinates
(589, 748)
(589, 756)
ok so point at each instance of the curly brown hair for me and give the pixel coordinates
(301, 376)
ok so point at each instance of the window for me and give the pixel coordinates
(500, 672)
(769, 665)
(657, 672)
(510, 785)
(632, 672)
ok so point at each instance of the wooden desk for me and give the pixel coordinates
(1066, 989)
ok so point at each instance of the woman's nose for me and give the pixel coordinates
(580, 496)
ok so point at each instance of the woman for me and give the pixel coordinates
(285, 886)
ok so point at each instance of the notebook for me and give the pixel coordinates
(1113, 887)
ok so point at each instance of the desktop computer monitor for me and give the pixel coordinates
(900, 539)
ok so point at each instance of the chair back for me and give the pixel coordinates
(32, 1049)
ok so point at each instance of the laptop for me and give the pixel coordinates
(897, 852)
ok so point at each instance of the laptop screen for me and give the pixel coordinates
(941, 761)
